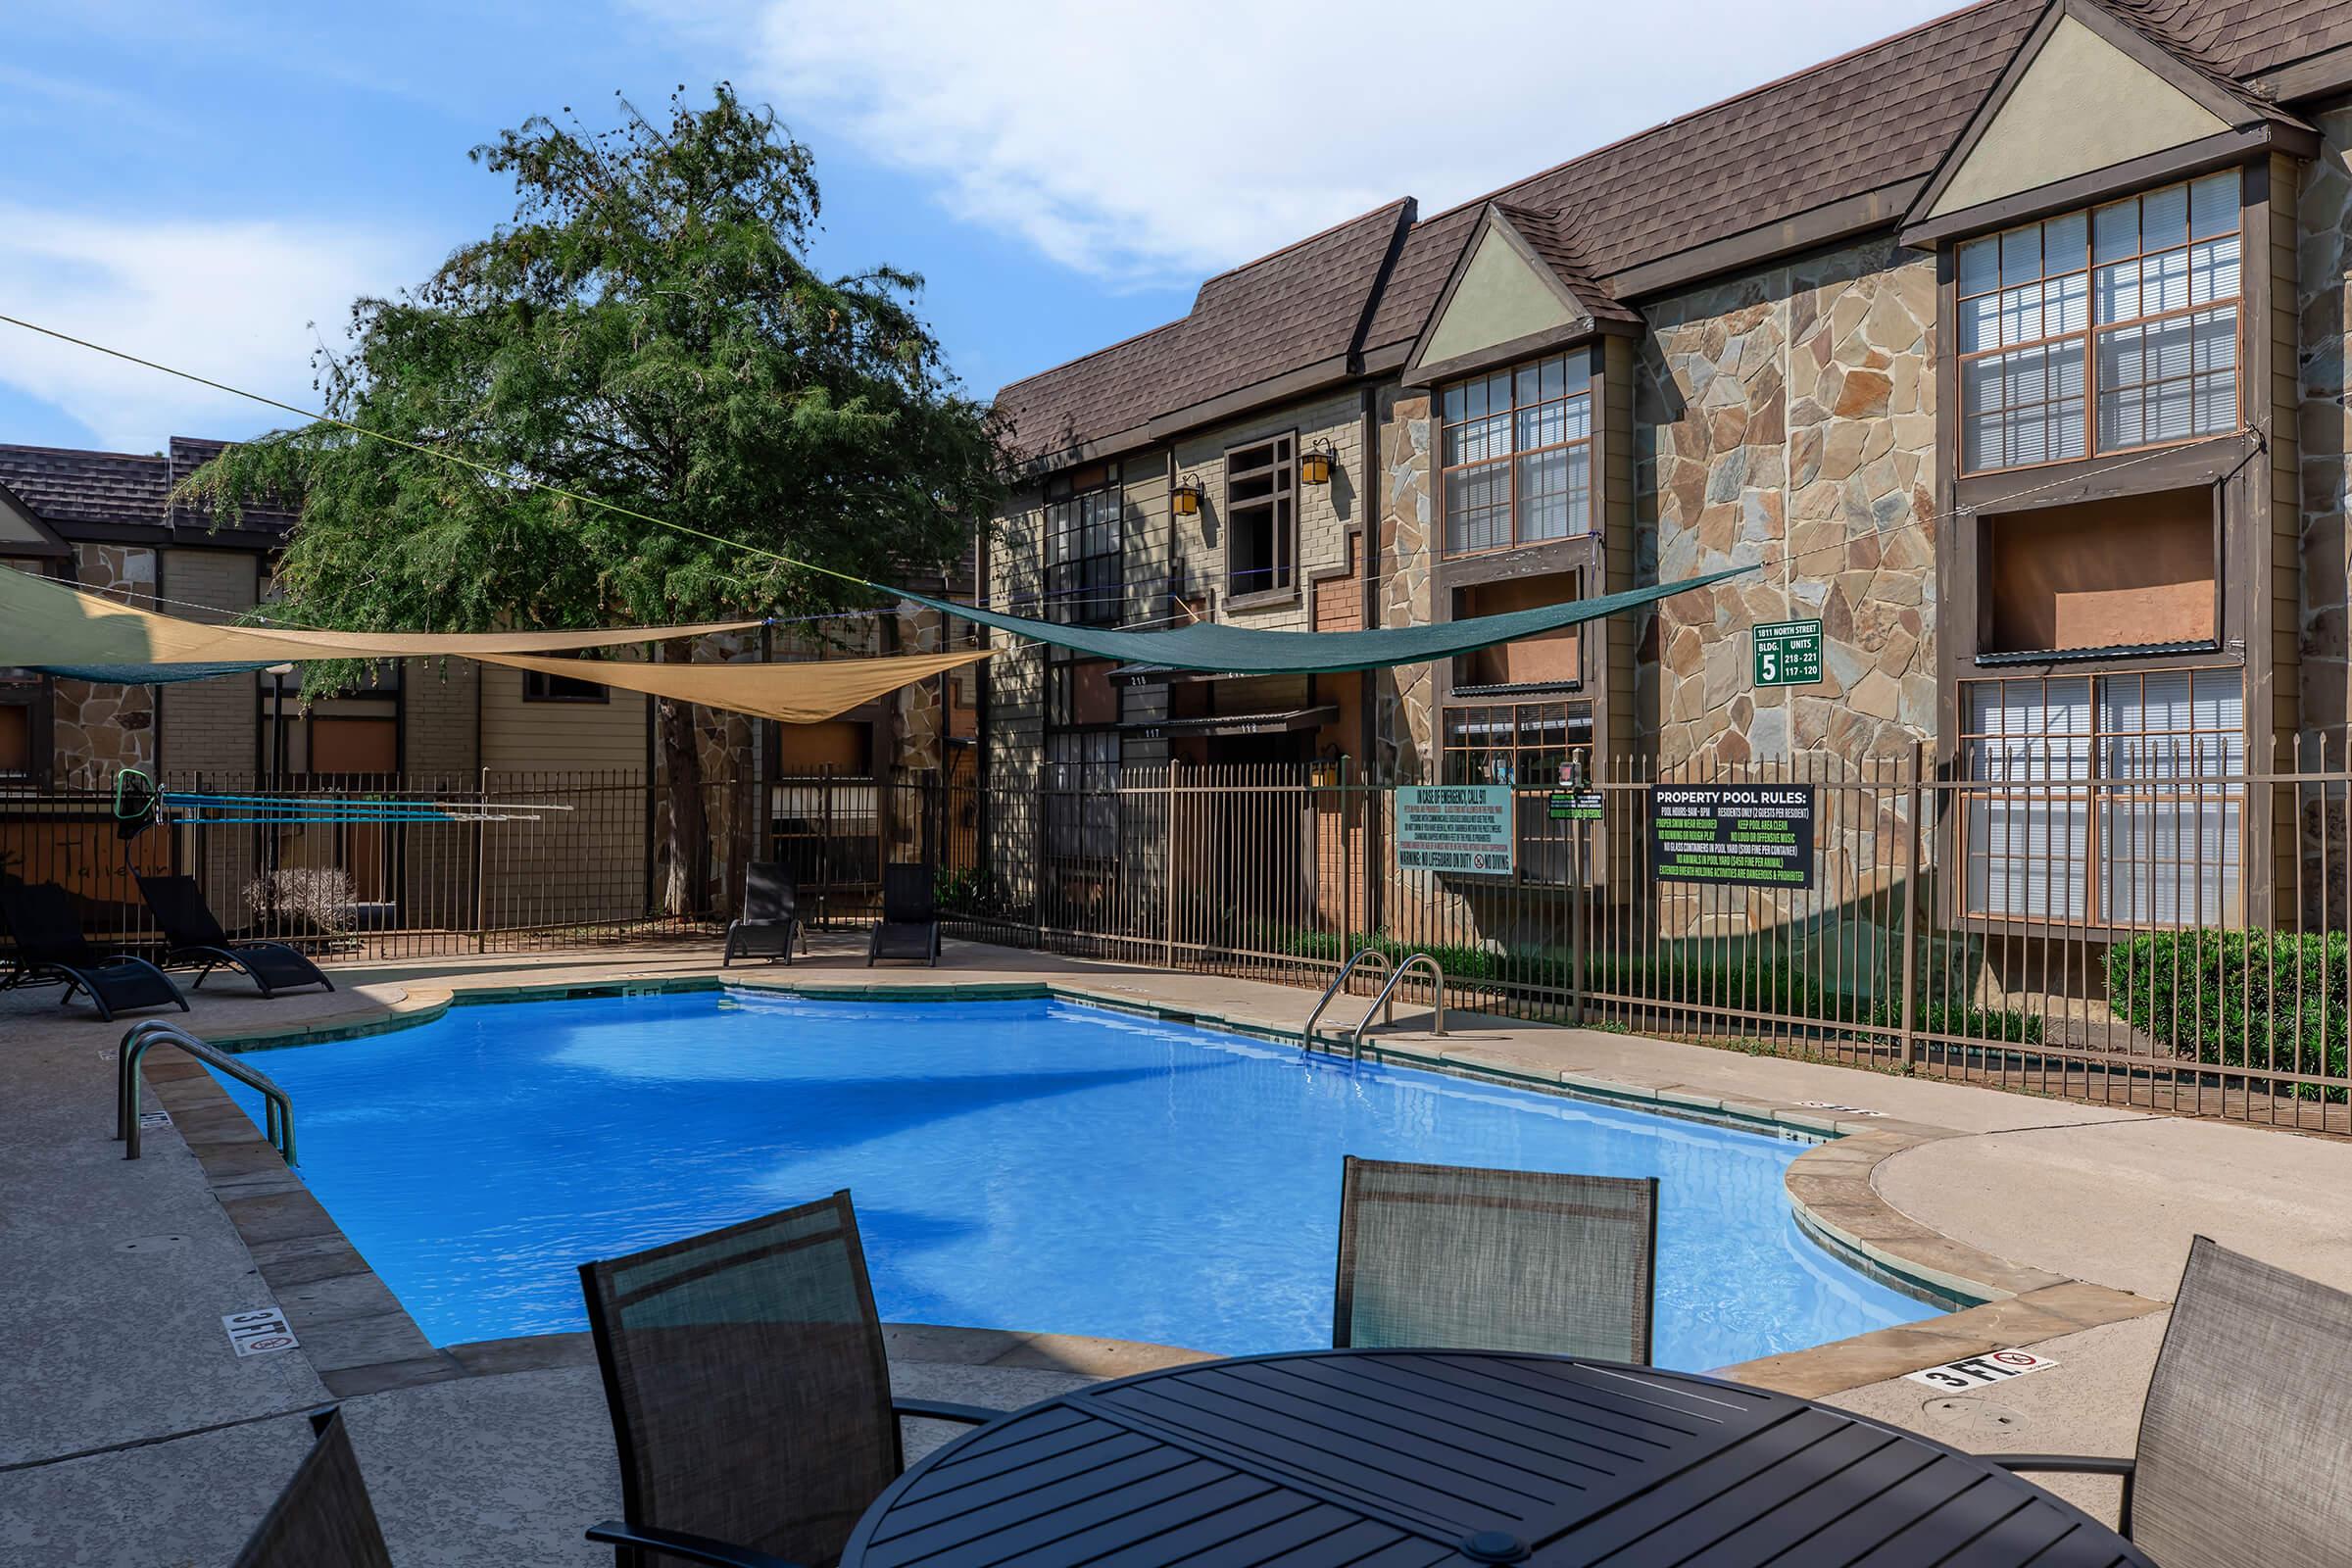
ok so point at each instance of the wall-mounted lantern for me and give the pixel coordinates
(1315, 465)
(1185, 498)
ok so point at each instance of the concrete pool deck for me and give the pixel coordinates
(131, 1434)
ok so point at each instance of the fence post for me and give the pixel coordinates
(1911, 836)
(1042, 807)
(1167, 875)
(1576, 901)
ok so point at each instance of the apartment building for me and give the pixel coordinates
(2009, 348)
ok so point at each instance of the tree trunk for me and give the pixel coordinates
(687, 846)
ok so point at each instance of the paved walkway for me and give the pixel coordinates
(118, 1273)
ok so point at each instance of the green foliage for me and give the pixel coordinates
(646, 330)
(975, 893)
(2239, 999)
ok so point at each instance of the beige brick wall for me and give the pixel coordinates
(212, 726)
(1325, 512)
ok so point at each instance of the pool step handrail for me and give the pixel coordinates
(1307, 1036)
(277, 1108)
(1355, 1040)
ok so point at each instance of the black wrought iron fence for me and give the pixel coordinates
(2141, 924)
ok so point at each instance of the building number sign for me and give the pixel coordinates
(1789, 652)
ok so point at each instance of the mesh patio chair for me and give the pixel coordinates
(324, 1516)
(2245, 1443)
(50, 946)
(193, 937)
(1444, 1256)
(910, 923)
(750, 1394)
(770, 921)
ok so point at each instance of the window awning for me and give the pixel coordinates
(1282, 723)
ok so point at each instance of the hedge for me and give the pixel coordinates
(2239, 999)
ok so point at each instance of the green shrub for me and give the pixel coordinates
(2239, 999)
(2010, 1024)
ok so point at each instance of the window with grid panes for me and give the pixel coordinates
(1515, 452)
(2102, 330)
(2120, 800)
(1262, 515)
(1522, 745)
(1085, 578)
(1080, 794)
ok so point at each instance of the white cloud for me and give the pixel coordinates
(230, 299)
(1150, 143)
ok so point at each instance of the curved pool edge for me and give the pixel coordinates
(1993, 1304)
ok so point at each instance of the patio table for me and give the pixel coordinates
(1396, 1459)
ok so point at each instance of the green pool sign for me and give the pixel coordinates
(1789, 652)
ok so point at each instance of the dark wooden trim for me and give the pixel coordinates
(2217, 151)
(1577, 553)
(2202, 461)
(1290, 385)
(1495, 356)
(1409, 211)
(51, 544)
(1859, 213)
(1497, 221)
(2315, 77)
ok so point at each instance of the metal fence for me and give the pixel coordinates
(2161, 929)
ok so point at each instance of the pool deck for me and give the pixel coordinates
(131, 1434)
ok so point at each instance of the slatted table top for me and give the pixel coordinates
(1405, 1458)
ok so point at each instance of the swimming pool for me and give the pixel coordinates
(1023, 1164)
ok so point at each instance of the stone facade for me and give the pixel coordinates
(1407, 720)
(2323, 312)
(1788, 418)
(97, 728)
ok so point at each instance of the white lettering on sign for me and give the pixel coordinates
(1974, 1372)
(260, 1332)
(1455, 828)
(1832, 1104)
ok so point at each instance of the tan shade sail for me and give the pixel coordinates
(44, 625)
(798, 694)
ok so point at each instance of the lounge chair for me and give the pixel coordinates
(910, 923)
(50, 946)
(2246, 1440)
(324, 1516)
(1444, 1256)
(770, 922)
(192, 935)
(750, 1392)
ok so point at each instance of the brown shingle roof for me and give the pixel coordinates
(123, 489)
(1546, 235)
(1875, 118)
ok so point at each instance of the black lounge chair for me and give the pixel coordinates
(324, 1516)
(50, 946)
(192, 935)
(1448, 1258)
(2245, 1444)
(749, 1391)
(910, 923)
(771, 920)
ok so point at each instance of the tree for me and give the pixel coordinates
(646, 331)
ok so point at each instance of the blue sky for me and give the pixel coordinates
(200, 180)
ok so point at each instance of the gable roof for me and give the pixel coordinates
(1839, 149)
(74, 489)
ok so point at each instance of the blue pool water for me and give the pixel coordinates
(1016, 1164)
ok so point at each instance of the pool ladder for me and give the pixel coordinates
(277, 1109)
(1387, 998)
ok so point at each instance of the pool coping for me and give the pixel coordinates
(360, 1340)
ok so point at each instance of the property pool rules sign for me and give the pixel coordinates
(1740, 835)
(1454, 827)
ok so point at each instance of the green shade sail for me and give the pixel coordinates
(1254, 651)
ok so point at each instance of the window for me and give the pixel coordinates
(539, 688)
(2139, 296)
(1084, 579)
(1082, 794)
(1516, 455)
(2125, 798)
(1261, 498)
(15, 739)
(1523, 745)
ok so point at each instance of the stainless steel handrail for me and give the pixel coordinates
(278, 1112)
(1357, 1040)
(1307, 1036)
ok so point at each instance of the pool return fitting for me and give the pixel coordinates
(277, 1109)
